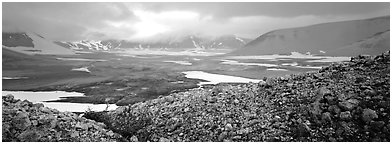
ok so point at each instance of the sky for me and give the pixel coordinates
(168, 21)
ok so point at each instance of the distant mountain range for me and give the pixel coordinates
(27, 40)
(346, 38)
(225, 42)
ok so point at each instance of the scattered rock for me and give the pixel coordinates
(134, 139)
(29, 136)
(368, 115)
(243, 131)
(162, 139)
(334, 109)
(345, 115)
(303, 130)
(349, 104)
(331, 100)
(228, 127)
(237, 137)
(326, 117)
(75, 134)
(323, 91)
(222, 136)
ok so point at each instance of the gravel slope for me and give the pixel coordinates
(23, 121)
(343, 102)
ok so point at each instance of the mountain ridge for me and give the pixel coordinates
(326, 37)
(32, 43)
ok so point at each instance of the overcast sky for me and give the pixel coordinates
(162, 21)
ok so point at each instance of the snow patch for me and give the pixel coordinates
(217, 78)
(180, 62)
(190, 52)
(331, 59)
(290, 64)
(276, 69)
(80, 59)
(40, 97)
(11, 78)
(233, 62)
(83, 69)
(237, 38)
(178, 82)
(310, 67)
(294, 55)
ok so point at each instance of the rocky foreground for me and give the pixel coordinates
(343, 102)
(24, 121)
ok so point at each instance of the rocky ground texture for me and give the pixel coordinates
(23, 121)
(346, 101)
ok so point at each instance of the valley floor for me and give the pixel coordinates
(123, 78)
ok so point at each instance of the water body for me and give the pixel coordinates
(217, 78)
(40, 97)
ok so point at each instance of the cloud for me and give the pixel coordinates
(225, 10)
(173, 25)
(171, 21)
(66, 21)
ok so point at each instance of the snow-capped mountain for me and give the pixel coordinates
(348, 38)
(224, 42)
(32, 43)
(86, 45)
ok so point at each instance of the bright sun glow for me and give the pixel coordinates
(151, 24)
(148, 28)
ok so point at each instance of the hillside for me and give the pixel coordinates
(342, 102)
(32, 43)
(347, 38)
(24, 121)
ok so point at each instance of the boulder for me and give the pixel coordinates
(368, 115)
(326, 117)
(162, 139)
(345, 115)
(349, 105)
